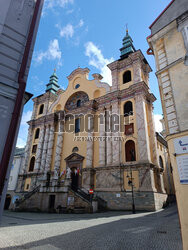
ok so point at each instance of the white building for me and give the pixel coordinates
(16, 169)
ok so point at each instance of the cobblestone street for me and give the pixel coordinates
(110, 230)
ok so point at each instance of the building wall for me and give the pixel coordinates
(15, 170)
(169, 44)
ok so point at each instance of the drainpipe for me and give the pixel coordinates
(18, 103)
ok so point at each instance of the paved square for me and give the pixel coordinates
(110, 230)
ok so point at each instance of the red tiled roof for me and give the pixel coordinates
(161, 13)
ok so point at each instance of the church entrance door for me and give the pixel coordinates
(74, 163)
(74, 178)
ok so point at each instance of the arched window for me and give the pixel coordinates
(78, 104)
(77, 125)
(161, 163)
(130, 152)
(128, 108)
(37, 133)
(75, 149)
(41, 109)
(32, 164)
(127, 77)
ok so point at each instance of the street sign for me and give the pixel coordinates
(181, 145)
(182, 162)
(91, 191)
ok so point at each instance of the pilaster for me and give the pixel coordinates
(39, 149)
(45, 147)
(115, 134)
(59, 146)
(89, 156)
(143, 139)
(50, 148)
(102, 134)
(109, 136)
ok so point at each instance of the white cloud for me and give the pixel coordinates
(158, 124)
(57, 3)
(81, 23)
(26, 117)
(52, 53)
(67, 31)
(97, 60)
(23, 132)
(69, 11)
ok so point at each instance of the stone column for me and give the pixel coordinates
(89, 156)
(137, 72)
(39, 150)
(162, 183)
(34, 113)
(115, 134)
(109, 136)
(147, 181)
(45, 147)
(27, 150)
(153, 139)
(115, 82)
(50, 149)
(59, 146)
(102, 143)
(141, 121)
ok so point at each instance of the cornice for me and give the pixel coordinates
(78, 71)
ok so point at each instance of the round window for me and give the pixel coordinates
(77, 86)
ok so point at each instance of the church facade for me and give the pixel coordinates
(96, 136)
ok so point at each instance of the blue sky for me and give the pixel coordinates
(88, 33)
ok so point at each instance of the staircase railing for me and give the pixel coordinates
(27, 195)
(79, 191)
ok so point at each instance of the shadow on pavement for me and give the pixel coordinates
(154, 231)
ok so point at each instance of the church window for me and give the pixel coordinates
(34, 149)
(161, 163)
(75, 149)
(37, 133)
(77, 86)
(129, 129)
(130, 152)
(41, 109)
(77, 125)
(127, 77)
(128, 108)
(78, 104)
(32, 164)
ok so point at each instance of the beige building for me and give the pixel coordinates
(96, 136)
(169, 44)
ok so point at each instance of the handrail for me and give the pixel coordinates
(27, 195)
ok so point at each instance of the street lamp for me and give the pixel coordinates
(130, 183)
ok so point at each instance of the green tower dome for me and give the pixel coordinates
(53, 85)
(128, 46)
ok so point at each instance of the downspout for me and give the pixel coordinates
(19, 101)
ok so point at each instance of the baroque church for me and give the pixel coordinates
(96, 137)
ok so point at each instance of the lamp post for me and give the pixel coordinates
(130, 183)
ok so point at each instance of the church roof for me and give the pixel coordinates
(128, 46)
(174, 10)
(53, 85)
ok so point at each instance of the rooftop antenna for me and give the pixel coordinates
(127, 28)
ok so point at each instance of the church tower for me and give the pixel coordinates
(138, 151)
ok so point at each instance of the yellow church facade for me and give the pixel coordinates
(94, 136)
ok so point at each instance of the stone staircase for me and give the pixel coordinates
(27, 196)
(92, 201)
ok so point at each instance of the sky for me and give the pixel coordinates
(88, 33)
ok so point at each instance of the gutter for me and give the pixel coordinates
(19, 101)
